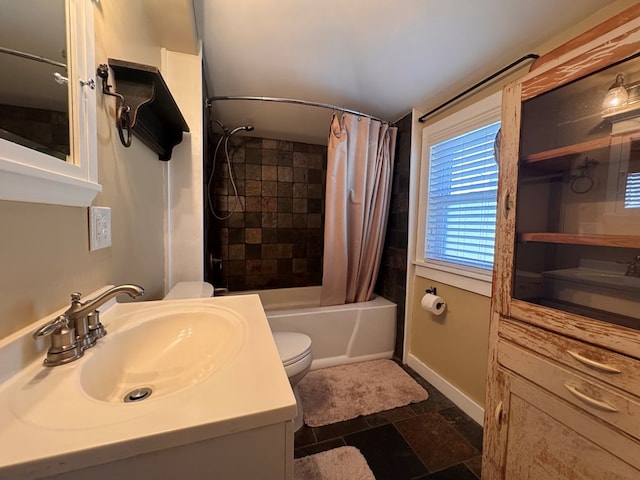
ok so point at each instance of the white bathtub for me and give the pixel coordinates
(339, 334)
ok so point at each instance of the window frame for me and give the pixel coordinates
(481, 113)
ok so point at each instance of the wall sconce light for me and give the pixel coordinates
(617, 96)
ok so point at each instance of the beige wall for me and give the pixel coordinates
(454, 346)
(44, 250)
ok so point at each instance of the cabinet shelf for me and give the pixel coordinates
(155, 117)
(569, 150)
(624, 241)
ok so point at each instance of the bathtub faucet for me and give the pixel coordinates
(79, 327)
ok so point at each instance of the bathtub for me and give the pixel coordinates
(339, 334)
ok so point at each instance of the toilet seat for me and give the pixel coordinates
(292, 346)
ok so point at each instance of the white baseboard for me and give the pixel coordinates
(466, 404)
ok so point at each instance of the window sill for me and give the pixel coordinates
(470, 281)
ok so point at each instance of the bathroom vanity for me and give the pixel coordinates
(563, 397)
(220, 403)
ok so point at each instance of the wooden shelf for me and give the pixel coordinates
(155, 116)
(570, 150)
(623, 241)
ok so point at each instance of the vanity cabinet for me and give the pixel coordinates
(563, 394)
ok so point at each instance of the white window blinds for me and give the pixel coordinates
(632, 192)
(461, 205)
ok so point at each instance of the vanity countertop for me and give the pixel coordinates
(50, 425)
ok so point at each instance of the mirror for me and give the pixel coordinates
(34, 90)
(47, 102)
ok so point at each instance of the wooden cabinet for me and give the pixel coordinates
(563, 396)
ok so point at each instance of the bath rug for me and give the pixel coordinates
(344, 392)
(343, 463)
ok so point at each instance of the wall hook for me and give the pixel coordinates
(123, 120)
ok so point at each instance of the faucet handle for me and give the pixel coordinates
(76, 296)
(61, 321)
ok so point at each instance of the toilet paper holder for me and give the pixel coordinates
(432, 291)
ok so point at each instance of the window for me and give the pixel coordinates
(632, 192)
(459, 182)
(461, 204)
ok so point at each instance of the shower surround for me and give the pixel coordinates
(275, 238)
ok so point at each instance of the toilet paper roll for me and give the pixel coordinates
(434, 304)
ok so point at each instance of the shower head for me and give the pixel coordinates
(247, 128)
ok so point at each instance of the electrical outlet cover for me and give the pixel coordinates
(99, 227)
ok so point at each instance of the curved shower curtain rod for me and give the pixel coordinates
(208, 103)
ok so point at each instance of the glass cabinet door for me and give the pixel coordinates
(578, 207)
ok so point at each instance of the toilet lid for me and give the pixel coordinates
(292, 346)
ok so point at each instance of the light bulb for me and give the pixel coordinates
(617, 95)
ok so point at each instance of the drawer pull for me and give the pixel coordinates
(593, 364)
(591, 401)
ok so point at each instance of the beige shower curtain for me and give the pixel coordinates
(359, 172)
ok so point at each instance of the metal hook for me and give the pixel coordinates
(123, 121)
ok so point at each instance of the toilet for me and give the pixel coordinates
(294, 348)
(295, 353)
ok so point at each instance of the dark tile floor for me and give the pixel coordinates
(432, 440)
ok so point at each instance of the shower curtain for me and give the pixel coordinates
(359, 172)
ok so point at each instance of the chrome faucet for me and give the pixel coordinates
(633, 270)
(79, 327)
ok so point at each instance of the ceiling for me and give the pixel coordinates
(373, 56)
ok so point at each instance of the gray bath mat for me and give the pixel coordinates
(340, 393)
(344, 463)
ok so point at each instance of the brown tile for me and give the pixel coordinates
(340, 429)
(285, 205)
(314, 220)
(299, 265)
(285, 159)
(253, 172)
(465, 425)
(236, 252)
(269, 189)
(253, 252)
(285, 250)
(285, 146)
(269, 157)
(252, 155)
(315, 191)
(285, 174)
(253, 267)
(269, 144)
(269, 204)
(269, 235)
(300, 159)
(253, 204)
(270, 172)
(299, 205)
(315, 176)
(315, 160)
(285, 189)
(269, 266)
(270, 250)
(436, 442)
(299, 190)
(269, 220)
(253, 219)
(253, 235)
(299, 220)
(300, 175)
(285, 220)
(253, 188)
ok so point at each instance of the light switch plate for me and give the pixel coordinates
(99, 227)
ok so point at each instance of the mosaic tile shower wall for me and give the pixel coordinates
(275, 237)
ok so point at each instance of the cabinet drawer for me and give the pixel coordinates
(612, 368)
(590, 395)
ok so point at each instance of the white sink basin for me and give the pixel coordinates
(211, 364)
(165, 350)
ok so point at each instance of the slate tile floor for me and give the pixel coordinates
(430, 440)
